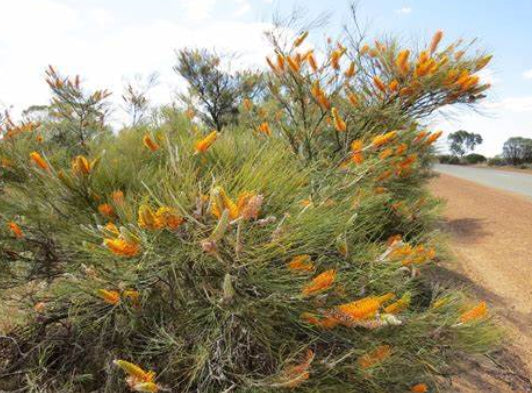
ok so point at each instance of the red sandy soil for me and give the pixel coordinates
(491, 236)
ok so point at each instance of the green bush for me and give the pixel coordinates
(448, 159)
(497, 161)
(474, 158)
(288, 251)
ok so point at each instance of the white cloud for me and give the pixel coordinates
(512, 104)
(103, 48)
(527, 74)
(404, 10)
(198, 10)
(243, 8)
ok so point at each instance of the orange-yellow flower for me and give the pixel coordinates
(335, 59)
(220, 201)
(39, 161)
(138, 379)
(401, 149)
(118, 197)
(299, 40)
(394, 85)
(350, 70)
(320, 283)
(15, 229)
(168, 217)
(386, 153)
(106, 210)
(419, 388)
(147, 218)
(312, 61)
(353, 99)
(81, 166)
(478, 312)
(379, 84)
(374, 357)
(360, 309)
(247, 104)
(294, 376)
(356, 148)
(435, 41)
(264, 128)
(398, 306)
(122, 247)
(401, 62)
(383, 139)
(364, 49)
(339, 123)
(204, 144)
(293, 64)
(483, 62)
(326, 322)
(150, 143)
(301, 263)
(433, 137)
(111, 297)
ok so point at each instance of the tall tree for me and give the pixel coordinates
(461, 142)
(518, 150)
(214, 93)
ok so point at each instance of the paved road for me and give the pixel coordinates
(520, 183)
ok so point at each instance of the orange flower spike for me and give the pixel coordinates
(301, 263)
(297, 374)
(420, 136)
(356, 147)
(264, 128)
(247, 104)
(375, 357)
(476, 313)
(359, 309)
(483, 62)
(383, 139)
(324, 323)
(364, 50)
(379, 84)
(39, 161)
(204, 144)
(122, 247)
(339, 123)
(280, 62)
(353, 99)
(350, 71)
(419, 388)
(15, 229)
(111, 297)
(147, 218)
(81, 166)
(118, 197)
(394, 85)
(401, 149)
(335, 59)
(106, 210)
(386, 153)
(312, 61)
(299, 40)
(402, 62)
(150, 143)
(293, 64)
(320, 283)
(168, 217)
(134, 371)
(436, 41)
(433, 137)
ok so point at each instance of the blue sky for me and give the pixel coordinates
(108, 41)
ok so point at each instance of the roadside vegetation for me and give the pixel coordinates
(271, 232)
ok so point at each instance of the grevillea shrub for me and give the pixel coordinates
(287, 252)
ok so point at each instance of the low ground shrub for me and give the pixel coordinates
(474, 158)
